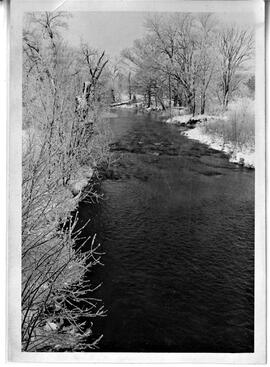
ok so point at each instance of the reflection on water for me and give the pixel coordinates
(177, 227)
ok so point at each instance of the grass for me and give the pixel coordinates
(238, 126)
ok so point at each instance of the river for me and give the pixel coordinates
(177, 226)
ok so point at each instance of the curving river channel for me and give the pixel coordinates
(177, 226)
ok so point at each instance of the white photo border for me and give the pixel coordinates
(17, 8)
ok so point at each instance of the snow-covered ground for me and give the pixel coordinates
(184, 119)
(181, 119)
(240, 155)
(125, 106)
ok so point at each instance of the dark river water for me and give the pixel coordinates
(177, 226)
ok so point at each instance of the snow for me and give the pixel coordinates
(50, 326)
(125, 105)
(240, 155)
(83, 176)
(246, 157)
(182, 119)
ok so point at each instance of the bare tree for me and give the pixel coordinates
(145, 56)
(178, 42)
(165, 32)
(236, 46)
(206, 55)
(95, 63)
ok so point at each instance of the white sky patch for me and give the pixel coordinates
(114, 31)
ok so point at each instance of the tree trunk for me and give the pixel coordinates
(175, 100)
(225, 100)
(162, 103)
(194, 101)
(129, 86)
(180, 99)
(170, 96)
(112, 96)
(170, 91)
(149, 97)
(203, 101)
(226, 90)
(193, 108)
(190, 103)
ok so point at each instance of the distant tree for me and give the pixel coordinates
(206, 55)
(165, 31)
(145, 57)
(236, 46)
(177, 40)
(187, 59)
(118, 78)
(95, 63)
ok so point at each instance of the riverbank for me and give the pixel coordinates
(54, 264)
(232, 132)
(204, 129)
(238, 154)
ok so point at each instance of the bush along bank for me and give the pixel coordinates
(56, 294)
(63, 143)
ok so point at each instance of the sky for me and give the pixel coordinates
(114, 31)
(110, 31)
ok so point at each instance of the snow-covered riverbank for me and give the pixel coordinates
(237, 154)
(232, 132)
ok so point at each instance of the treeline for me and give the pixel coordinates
(191, 60)
(63, 143)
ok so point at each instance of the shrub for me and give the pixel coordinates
(57, 141)
(237, 127)
(53, 269)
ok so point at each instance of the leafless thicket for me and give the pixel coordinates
(57, 143)
(238, 129)
(191, 60)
